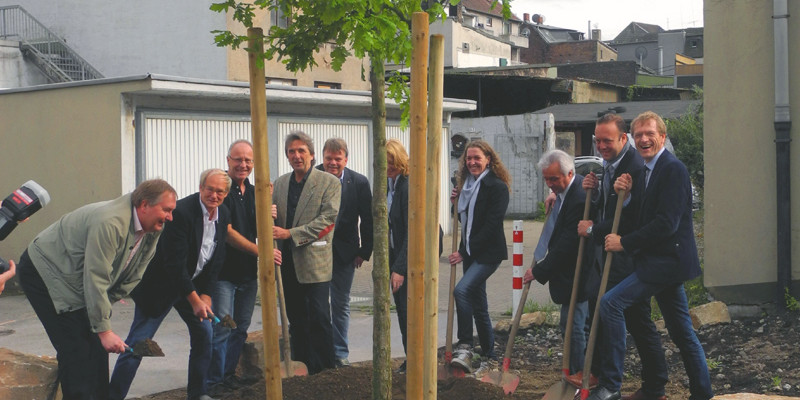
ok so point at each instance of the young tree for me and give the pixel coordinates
(381, 31)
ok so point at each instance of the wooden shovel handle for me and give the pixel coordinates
(287, 352)
(448, 349)
(573, 299)
(587, 365)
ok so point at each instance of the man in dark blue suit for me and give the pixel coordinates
(619, 157)
(557, 252)
(182, 275)
(664, 256)
(348, 251)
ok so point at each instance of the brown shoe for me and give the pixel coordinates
(577, 380)
(639, 395)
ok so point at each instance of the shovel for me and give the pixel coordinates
(447, 370)
(226, 321)
(145, 348)
(289, 368)
(587, 364)
(507, 380)
(563, 390)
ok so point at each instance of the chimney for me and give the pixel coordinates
(526, 17)
(596, 35)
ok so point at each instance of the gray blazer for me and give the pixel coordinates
(81, 258)
(314, 220)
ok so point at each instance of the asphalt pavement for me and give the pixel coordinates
(21, 331)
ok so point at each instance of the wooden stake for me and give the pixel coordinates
(435, 98)
(266, 265)
(416, 204)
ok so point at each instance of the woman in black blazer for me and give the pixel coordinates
(481, 199)
(397, 203)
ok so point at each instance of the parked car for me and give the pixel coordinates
(586, 164)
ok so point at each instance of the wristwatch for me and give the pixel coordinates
(589, 230)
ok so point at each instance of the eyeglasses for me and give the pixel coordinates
(219, 192)
(247, 161)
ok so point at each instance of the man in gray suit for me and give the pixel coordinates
(76, 268)
(308, 203)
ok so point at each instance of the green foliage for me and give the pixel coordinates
(776, 381)
(791, 303)
(540, 212)
(379, 29)
(713, 364)
(686, 135)
(532, 306)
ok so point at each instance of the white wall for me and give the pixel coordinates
(15, 72)
(122, 38)
(519, 140)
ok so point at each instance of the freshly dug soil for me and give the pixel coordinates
(756, 355)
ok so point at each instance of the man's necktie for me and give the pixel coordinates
(547, 232)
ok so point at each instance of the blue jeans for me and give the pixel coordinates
(144, 327)
(671, 300)
(471, 302)
(341, 283)
(237, 300)
(577, 349)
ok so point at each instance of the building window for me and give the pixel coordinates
(327, 85)
(281, 81)
(506, 28)
(488, 21)
(278, 18)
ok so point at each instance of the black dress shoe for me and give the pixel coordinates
(601, 393)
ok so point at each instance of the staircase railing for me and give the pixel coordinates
(50, 53)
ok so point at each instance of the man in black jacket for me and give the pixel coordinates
(182, 275)
(620, 157)
(557, 251)
(348, 251)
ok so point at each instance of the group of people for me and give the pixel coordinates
(652, 253)
(198, 255)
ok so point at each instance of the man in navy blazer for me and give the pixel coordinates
(182, 275)
(557, 265)
(348, 251)
(664, 255)
(619, 157)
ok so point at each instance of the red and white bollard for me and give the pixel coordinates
(517, 265)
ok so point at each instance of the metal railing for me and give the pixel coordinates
(48, 52)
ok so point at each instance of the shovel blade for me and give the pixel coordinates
(507, 380)
(296, 368)
(446, 371)
(146, 348)
(561, 390)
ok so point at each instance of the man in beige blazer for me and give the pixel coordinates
(76, 268)
(308, 203)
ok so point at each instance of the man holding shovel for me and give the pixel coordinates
(308, 203)
(619, 157)
(181, 275)
(76, 268)
(664, 256)
(557, 250)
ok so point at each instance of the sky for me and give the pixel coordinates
(612, 16)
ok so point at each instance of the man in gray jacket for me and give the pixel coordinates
(76, 268)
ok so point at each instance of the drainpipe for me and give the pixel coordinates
(783, 124)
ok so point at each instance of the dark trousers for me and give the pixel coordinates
(309, 314)
(645, 336)
(401, 305)
(82, 360)
(144, 327)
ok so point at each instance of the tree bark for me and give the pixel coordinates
(381, 324)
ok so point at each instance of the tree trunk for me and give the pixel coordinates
(381, 324)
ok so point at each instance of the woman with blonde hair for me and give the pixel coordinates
(397, 204)
(481, 198)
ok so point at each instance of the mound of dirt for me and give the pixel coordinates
(757, 355)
